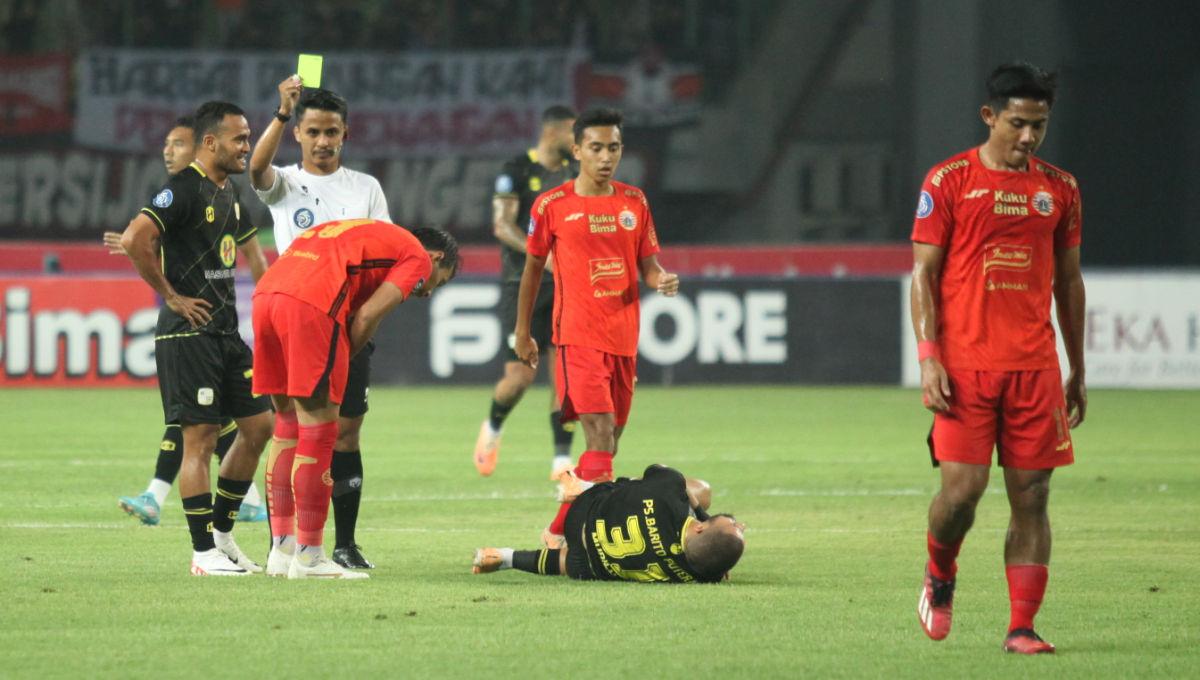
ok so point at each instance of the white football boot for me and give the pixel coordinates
(278, 563)
(215, 563)
(322, 567)
(230, 549)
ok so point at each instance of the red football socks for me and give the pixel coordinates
(280, 502)
(1026, 587)
(558, 526)
(311, 481)
(941, 558)
(595, 466)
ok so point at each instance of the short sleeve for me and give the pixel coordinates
(171, 207)
(934, 220)
(246, 228)
(378, 207)
(278, 190)
(648, 244)
(670, 484)
(539, 238)
(507, 181)
(410, 273)
(1068, 233)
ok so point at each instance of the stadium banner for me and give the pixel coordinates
(715, 331)
(77, 332)
(35, 94)
(401, 104)
(1142, 330)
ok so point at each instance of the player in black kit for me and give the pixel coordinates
(653, 529)
(518, 185)
(204, 367)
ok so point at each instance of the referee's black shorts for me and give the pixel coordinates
(206, 378)
(540, 326)
(358, 383)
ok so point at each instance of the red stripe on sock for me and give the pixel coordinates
(1026, 588)
(942, 557)
(280, 503)
(311, 481)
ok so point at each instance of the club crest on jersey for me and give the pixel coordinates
(627, 220)
(303, 218)
(1043, 203)
(164, 199)
(228, 251)
(924, 205)
(504, 184)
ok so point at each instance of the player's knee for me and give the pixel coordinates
(256, 431)
(348, 431)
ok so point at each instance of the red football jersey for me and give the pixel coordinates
(337, 266)
(597, 242)
(1000, 231)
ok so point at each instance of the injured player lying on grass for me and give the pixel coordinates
(653, 529)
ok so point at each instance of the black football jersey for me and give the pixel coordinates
(633, 528)
(200, 228)
(525, 178)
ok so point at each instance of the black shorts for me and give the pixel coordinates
(358, 384)
(541, 327)
(578, 566)
(206, 379)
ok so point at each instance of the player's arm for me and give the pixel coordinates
(927, 272)
(699, 493)
(140, 241)
(253, 254)
(531, 280)
(366, 320)
(1071, 302)
(262, 174)
(504, 222)
(658, 278)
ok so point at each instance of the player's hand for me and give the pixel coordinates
(935, 386)
(526, 349)
(289, 94)
(668, 284)
(112, 241)
(195, 310)
(1076, 394)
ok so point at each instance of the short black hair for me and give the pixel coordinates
(596, 118)
(321, 100)
(558, 113)
(188, 122)
(436, 239)
(712, 554)
(1020, 80)
(209, 116)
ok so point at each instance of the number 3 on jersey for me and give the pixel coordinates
(618, 544)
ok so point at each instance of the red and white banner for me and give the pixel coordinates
(34, 94)
(77, 332)
(401, 104)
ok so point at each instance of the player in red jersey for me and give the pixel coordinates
(997, 231)
(602, 237)
(348, 269)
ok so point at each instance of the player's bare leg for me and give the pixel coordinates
(562, 432)
(508, 392)
(1026, 556)
(195, 491)
(951, 515)
(347, 474)
(601, 432)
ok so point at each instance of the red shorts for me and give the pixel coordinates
(1021, 413)
(298, 349)
(594, 381)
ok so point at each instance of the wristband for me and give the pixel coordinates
(928, 349)
(282, 118)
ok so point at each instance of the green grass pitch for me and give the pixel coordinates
(833, 483)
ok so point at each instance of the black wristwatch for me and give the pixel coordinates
(281, 117)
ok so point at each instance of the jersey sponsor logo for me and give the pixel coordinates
(977, 193)
(535, 183)
(548, 199)
(210, 214)
(1051, 172)
(602, 224)
(946, 169)
(164, 199)
(609, 293)
(606, 268)
(924, 205)
(627, 220)
(303, 218)
(1043, 203)
(228, 250)
(1010, 258)
(572, 217)
(204, 396)
(504, 184)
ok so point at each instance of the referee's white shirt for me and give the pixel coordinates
(299, 200)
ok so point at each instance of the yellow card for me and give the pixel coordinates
(308, 67)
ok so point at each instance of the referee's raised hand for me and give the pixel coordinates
(289, 94)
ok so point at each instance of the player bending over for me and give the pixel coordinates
(653, 529)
